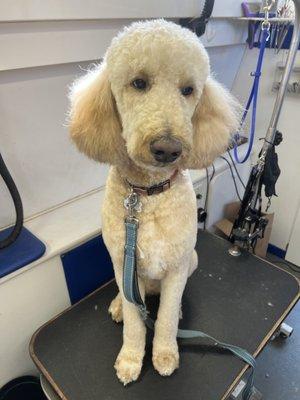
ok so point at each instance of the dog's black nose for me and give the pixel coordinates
(166, 149)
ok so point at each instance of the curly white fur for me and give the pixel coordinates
(113, 122)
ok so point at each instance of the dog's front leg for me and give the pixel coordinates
(129, 361)
(165, 349)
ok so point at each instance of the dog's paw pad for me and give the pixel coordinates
(165, 362)
(115, 309)
(128, 368)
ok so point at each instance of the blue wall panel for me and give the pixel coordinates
(276, 251)
(26, 249)
(86, 268)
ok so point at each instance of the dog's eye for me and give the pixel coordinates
(139, 84)
(187, 90)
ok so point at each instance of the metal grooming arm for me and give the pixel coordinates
(249, 224)
(270, 136)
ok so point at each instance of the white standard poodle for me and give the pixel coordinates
(151, 110)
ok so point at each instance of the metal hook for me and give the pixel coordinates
(265, 26)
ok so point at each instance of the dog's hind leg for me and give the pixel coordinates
(115, 309)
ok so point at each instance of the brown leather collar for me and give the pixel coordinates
(155, 189)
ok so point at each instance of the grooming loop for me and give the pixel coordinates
(252, 101)
(265, 30)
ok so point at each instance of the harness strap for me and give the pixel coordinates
(252, 100)
(132, 294)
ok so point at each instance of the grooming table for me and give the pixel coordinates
(239, 300)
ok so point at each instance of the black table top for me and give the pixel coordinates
(238, 300)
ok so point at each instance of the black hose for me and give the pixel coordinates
(17, 203)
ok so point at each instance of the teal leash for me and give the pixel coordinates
(132, 294)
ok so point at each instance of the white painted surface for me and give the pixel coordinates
(47, 168)
(288, 186)
(293, 251)
(96, 9)
(225, 61)
(26, 302)
(222, 32)
(32, 10)
(56, 42)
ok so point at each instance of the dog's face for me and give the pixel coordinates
(152, 100)
(157, 77)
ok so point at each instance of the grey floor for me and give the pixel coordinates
(278, 366)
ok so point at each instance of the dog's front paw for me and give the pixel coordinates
(128, 365)
(115, 309)
(165, 360)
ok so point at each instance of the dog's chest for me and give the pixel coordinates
(167, 229)
(166, 238)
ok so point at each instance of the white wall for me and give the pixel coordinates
(47, 168)
(225, 61)
(32, 10)
(27, 301)
(288, 187)
(35, 144)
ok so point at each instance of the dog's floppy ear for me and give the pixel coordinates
(93, 120)
(214, 119)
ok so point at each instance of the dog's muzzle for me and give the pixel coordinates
(166, 149)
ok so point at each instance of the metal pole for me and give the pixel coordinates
(270, 136)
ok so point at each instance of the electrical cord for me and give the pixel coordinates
(233, 178)
(236, 170)
(206, 196)
(8, 180)
(291, 266)
(207, 188)
(213, 173)
(208, 180)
